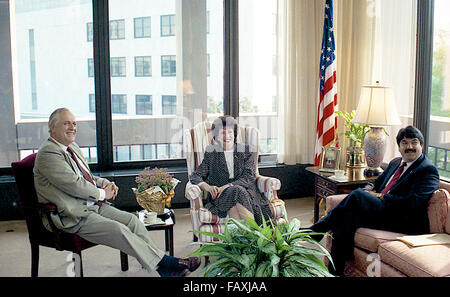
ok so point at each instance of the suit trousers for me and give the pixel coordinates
(358, 209)
(107, 225)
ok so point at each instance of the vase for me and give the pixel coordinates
(355, 157)
(375, 147)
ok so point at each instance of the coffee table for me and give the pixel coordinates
(167, 226)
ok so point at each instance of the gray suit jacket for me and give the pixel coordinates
(56, 181)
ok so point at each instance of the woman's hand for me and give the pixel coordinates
(222, 188)
(214, 190)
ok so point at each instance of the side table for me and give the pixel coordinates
(169, 222)
(325, 185)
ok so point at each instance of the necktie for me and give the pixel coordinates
(394, 179)
(85, 174)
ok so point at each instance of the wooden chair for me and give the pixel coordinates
(32, 211)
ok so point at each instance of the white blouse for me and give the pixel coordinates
(229, 158)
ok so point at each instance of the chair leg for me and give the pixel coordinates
(34, 260)
(123, 261)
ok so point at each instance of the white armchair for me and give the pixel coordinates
(194, 144)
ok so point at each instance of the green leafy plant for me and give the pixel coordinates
(355, 132)
(248, 250)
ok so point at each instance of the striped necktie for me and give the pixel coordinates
(394, 179)
(85, 174)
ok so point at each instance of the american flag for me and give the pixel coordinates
(326, 118)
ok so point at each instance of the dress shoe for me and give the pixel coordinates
(191, 263)
(172, 272)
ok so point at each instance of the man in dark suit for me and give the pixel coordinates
(397, 201)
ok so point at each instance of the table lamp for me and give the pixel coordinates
(376, 108)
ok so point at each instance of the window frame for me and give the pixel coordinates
(150, 102)
(143, 67)
(117, 31)
(171, 25)
(142, 20)
(119, 66)
(170, 73)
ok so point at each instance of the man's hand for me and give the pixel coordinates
(376, 195)
(111, 190)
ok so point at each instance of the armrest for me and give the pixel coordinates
(48, 209)
(269, 186)
(193, 192)
(333, 200)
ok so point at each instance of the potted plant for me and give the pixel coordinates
(355, 133)
(248, 250)
(156, 187)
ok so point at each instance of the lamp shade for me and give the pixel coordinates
(376, 107)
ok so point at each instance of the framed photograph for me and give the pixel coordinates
(329, 159)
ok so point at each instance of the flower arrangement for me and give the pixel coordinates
(156, 187)
(155, 177)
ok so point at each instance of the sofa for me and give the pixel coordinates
(381, 253)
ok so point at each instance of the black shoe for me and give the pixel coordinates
(191, 263)
(172, 272)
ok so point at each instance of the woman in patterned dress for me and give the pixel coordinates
(227, 173)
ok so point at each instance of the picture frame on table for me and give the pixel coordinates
(329, 159)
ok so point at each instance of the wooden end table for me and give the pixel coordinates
(168, 230)
(325, 185)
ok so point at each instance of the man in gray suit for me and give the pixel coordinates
(62, 177)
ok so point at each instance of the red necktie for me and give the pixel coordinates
(394, 179)
(85, 174)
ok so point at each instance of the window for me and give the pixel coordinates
(168, 25)
(91, 102)
(119, 104)
(117, 29)
(143, 66)
(439, 136)
(118, 67)
(168, 66)
(208, 65)
(89, 32)
(34, 105)
(169, 104)
(38, 77)
(207, 22)
(257, 70)
(394, 61)
(144, 104)
(142, 27)
(90, 67)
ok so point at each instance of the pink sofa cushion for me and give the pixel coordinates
(334, 200)
(417, 261)
(369, 239)
(438, 211)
